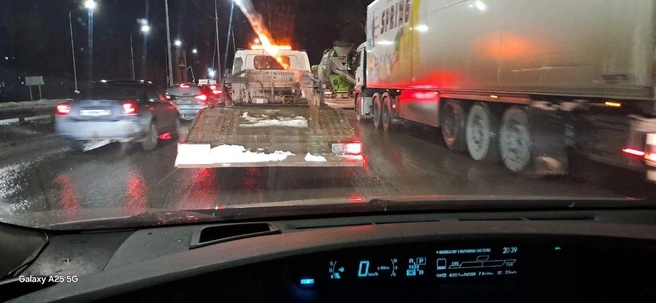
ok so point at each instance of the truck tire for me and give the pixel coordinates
(377, 111)
(482, 133)
(454, 117)
(150, 141)
(358, 106)
(386, 115)
(515, 140)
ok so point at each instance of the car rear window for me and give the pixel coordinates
(112, 92)
(184, 91)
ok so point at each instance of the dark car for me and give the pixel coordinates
(121, 111)
(191, 98)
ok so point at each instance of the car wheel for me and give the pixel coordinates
(178, 127)
(77, 147)
(150, 142)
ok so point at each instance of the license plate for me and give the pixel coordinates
(183, 102)
(95, 112)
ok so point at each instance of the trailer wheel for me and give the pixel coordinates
(454, 117)
(386, 114)
(515, 140)
(482, 134)
(376, 112)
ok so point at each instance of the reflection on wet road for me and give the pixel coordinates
(413, 161)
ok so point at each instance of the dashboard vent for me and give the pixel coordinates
(214, 234)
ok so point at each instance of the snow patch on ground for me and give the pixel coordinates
(191, 154)
(312, 158)
(266, 121)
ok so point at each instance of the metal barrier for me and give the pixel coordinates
(28, 111)
(318, 81)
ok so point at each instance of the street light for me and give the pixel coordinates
(144, 29)
(194, 51)
(211, 73)
(90, 5)
(178, 42)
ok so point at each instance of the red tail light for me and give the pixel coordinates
(216, 91)
(634, 152)
(63, 109)
(353, 148)
(130, 108)
(168, 97)
(212, 87)
(184, 86)
(202, 98)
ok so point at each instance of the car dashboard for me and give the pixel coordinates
(590, 256)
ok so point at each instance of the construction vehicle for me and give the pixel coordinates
(522, 84)
(274, 119)
(336, 74)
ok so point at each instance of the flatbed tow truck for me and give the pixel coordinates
(274, 119)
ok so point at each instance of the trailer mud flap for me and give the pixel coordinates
(548, 144)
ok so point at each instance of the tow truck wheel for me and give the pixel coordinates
(386, 114)
(482, 134)
(454, 118)
(515, 140)
(376, 112)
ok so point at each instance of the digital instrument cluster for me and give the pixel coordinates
(436, 264)
(440, 264)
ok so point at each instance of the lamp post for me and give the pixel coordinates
(90, 5)
(144, 29)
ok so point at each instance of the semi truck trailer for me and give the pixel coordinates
(525, 83)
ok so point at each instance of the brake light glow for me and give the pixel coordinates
(63, 109)
(130, 108)
(634, 152)
(168, 97)
(212, 87)
(216, 91)
(201, 97)
(353, 148)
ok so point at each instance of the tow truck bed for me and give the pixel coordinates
(267, 135)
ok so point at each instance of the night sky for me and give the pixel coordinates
(35, 35)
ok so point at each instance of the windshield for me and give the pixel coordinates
(269, 62)
(410, 100)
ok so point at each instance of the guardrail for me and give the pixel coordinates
(19, 112)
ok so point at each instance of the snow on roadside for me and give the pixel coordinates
(266, 121)
(312, 158)
(31, 103)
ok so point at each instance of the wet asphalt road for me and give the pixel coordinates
(38, 172)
